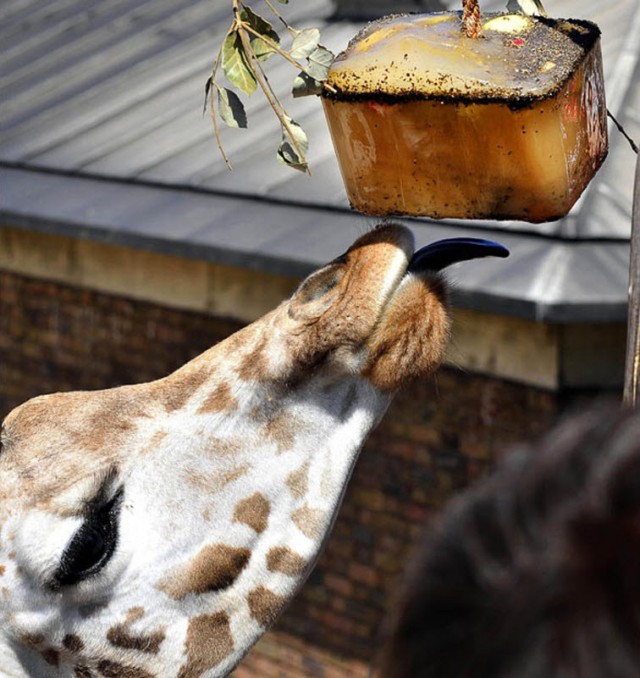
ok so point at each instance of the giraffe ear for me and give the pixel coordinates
(316, 294)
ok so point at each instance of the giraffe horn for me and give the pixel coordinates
(443, 253)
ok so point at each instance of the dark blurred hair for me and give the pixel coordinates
(536, 571)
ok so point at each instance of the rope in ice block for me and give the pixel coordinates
(471, 18)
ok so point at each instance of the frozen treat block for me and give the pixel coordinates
(509, 125)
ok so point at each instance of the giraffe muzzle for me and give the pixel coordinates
(443, 253)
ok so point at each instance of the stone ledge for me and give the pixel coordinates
(546, 355)
(173, 281)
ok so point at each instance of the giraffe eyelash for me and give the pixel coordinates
(107, 487)
(94, 543)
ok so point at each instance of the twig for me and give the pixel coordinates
(214, 119)
(274, 45)
(283, 53)
(258, 72)
(275, 11)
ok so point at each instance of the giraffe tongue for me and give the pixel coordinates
(443, 253)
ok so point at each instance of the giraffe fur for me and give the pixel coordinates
(205, 497)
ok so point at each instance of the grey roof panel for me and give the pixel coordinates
(113, 92)
(548, 279)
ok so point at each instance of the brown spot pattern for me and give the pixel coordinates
(32, 639)
(215, 481)
(156, 439)
(298, 481)
(111, 669)
(134, 614)
(51, 656)
(208, 643)
(219, 400)
(221, 447)
(119, 636)
(215, 567)
(81, 671)
(3, 569)
(95, 424)
(255, 365)
(113, 421)
(309, 521)
(285, 560)
(178, 388)
(264, 605)
(73, 643)
(253, 511)
(282, 429)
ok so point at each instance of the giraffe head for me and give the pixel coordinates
(158, 529)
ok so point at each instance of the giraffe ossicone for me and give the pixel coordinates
(157, 530)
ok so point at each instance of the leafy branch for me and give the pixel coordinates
(248, 43)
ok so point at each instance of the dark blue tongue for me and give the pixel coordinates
(443, 253)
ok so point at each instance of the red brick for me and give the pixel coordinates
(339, 584)
(364, 574)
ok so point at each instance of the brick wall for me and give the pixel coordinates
(436, 438)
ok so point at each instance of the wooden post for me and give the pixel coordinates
(632, 369)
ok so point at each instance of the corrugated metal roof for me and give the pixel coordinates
(102, 135)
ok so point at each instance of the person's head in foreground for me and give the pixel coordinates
(535, 573)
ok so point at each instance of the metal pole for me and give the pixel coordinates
(632, 369)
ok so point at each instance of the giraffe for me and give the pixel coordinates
(158, 529)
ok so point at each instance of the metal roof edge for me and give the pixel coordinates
(81, 207)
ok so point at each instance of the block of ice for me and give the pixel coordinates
(509, 125)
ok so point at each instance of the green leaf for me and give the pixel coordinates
(287, 152)
(261, 48)
(305, 43)
(235, 64)
(304, 85)
(319, 62)
(231, 109)
(259, 24)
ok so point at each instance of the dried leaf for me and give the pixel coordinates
(287, 152)
(319, 62)
(235, 64)
(305, 43)
(231, 109)
(207, 89)
(304, 85)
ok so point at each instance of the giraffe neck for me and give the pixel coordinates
(303, 450)
(158, 529)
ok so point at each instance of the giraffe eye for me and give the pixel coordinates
(92, 546)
